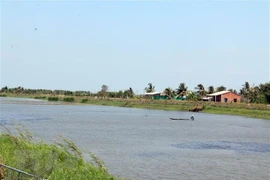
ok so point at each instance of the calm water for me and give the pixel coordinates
(145, 144)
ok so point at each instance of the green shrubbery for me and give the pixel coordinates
(40, 97)
(68, 99)
(62, 160)
(53, 98)
(84, 100)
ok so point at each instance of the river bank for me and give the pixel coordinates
(39, 160)
(136, 143)
(261, 111)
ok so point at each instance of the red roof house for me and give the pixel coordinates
(225, 96)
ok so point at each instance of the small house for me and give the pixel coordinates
(224, 96)
(157, 95)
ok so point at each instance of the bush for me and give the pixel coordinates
(68, 99)
(84, 100)
(40, 97)
(53, 98)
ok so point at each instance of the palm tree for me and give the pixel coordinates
(201, 90)
(221, 88)
(181, 90)
(169, 92)
(131, 93)
(150, 88)
(211, 89)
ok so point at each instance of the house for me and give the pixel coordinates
(156, 95)
(224, 96)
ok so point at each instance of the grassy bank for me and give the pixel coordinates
(247, 110)
(242, 109)
(47, 161)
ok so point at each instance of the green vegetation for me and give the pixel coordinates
(68, 99)
(62, 160)
(53, 98)
(84, 100)
(40, 97)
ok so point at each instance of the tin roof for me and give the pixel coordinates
(152, 93)
(218, 93)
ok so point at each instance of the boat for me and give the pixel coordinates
(178, 119)
(191, 118)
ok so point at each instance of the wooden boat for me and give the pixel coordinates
(178, 119)
(191, 118)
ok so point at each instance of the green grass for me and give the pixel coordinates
(262, 114)
(62, 160)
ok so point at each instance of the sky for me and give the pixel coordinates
(83, 45)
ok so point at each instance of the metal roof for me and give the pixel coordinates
(218, 93)
(152, 93)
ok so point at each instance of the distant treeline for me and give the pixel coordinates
(251, 94)
(102, 93)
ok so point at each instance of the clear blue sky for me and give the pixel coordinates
(83, 45)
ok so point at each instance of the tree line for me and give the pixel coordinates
(250, 94)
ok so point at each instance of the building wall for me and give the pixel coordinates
(230, 97)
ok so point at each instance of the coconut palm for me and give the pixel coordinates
(201, 91)
(150, 88)
(221, 88)
(211, 89)
(169, 92)
(181, 90)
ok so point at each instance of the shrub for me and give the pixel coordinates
(53, 98)
(84, 100)
(68, 99)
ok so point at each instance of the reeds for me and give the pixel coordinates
(62, 160)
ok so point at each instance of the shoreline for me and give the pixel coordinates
(260, 111)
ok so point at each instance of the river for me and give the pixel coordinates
(144, 144)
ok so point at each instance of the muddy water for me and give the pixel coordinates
(145, 144)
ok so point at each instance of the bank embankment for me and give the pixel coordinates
(62, 160)
(261, 111)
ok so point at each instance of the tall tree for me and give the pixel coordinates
(221, 88)
(169, 92)
(130, 93)
(211, 89)
(201, 91)
(245, 90)
(104, 90)
(149, 88)
(181, 90)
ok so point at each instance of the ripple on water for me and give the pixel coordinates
(226, 145)
(152, 154)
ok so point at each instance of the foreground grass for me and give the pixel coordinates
(261, 111)
(48, 161)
